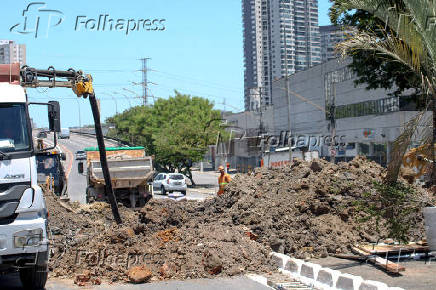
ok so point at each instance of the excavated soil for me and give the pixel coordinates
(310, 209)
(164, 237)
(305, 211)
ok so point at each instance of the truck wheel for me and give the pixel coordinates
(34, 277)
(183, 192)
(162, 190)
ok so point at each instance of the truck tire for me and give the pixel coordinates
(183, 192)
(34, 277)
(162, 190)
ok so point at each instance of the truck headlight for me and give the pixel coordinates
(28, 238)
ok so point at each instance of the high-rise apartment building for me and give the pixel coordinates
(280, 37)
(330, 36)
(11, 52)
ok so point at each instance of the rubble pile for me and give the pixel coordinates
(306, 211)
(309, 210)
(161, 241)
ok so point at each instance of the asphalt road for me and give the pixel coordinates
(12, 282)
(207, 182)
(77, 182)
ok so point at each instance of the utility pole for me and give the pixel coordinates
(288, 97)
(260, 111)
(332, 117)
(144, 80)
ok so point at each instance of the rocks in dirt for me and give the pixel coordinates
(212, 263)
(408, 174)
(139, 274)
(86, 278)
(277, 245)
(315, 166)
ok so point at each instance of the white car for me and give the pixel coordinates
(80, 155)
(170, 182)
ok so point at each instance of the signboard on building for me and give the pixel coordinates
(369, 133)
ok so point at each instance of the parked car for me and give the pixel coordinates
(170, 182)
(80, 155)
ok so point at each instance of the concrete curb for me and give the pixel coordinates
(324, 278)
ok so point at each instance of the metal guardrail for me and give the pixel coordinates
(122, 142)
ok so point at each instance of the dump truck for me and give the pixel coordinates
(130, 170)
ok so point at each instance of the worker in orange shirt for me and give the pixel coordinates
(223, 180)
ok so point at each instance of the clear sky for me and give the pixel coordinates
(199, 52)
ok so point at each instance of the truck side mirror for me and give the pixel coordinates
(54, 116)
(80, 167)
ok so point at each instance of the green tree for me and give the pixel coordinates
(177, 130)
(397, 36)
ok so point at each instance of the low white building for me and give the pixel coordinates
(367, 121)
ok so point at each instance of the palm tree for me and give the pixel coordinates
(408, 37)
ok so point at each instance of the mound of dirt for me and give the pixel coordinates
(309, 210)
(305, 211)
(164, 238)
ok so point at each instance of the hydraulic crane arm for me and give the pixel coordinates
(50, 78)
(82, 86)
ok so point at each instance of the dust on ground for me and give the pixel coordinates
(306, 211)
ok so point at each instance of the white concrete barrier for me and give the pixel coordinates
(324, 278)
(348, 282)
(373, 285)
(294, 266)
(327, 278)
(280, 259)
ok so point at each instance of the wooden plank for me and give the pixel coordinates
(394, 249)
(379, 261)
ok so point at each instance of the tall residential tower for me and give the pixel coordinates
(330, 36)
(11, 52)
(269, 27)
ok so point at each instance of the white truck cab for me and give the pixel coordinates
(24, 244)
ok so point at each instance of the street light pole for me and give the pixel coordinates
(288, 97)
(116, 104)
(80, 118)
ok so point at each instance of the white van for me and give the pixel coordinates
(65, 133)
